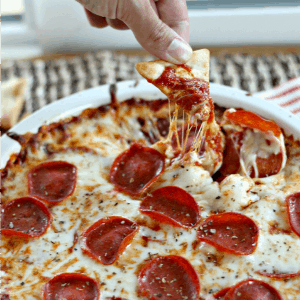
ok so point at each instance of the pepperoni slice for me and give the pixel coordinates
(52, 181)
(231, 158)
(249, 119)
(163, 126)
(194, 129)
(221, 294)
(172, 205)
(136, 168)
(268, 166)
(268, 160)
(280, 275)
(71, 286)
(106, 239)
(190, 94)
(26, 217)
(211, 145)
(169, 278)
(252, 289)
(293, 208)
(229, 232)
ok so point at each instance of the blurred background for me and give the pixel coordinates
(35, 27)
(49, 50)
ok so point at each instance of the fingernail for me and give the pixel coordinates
(179, 51)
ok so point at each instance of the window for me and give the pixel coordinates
(17, 22)
(12, 10)
(18, 31)
(61, 25)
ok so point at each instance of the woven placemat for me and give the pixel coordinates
(49, 81)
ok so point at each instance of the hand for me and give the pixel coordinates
(160, 26)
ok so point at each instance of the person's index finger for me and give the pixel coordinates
(152, 33)
(175, 15)
(153, 5)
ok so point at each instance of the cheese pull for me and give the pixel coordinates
(254, 146)
(187, 86)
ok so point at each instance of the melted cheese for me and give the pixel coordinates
(26, 266)
(254, 144)
(235, 193)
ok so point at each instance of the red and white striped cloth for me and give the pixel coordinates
(286, 95)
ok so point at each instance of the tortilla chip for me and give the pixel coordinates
(199, 64)
(12, 101)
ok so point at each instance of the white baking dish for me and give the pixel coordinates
(74, 104)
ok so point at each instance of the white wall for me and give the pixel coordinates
(61, 26)
(12, 7)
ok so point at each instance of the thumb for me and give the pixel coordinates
(153, 34)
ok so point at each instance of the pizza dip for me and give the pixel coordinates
(174, 199)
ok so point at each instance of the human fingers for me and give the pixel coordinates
(120, 25)
(103, 8)
(175, 15)
(116, 24)
(101, 13)
(101, 22)
(95, 20)
(152, 33)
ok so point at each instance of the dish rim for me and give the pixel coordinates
(74, 104)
